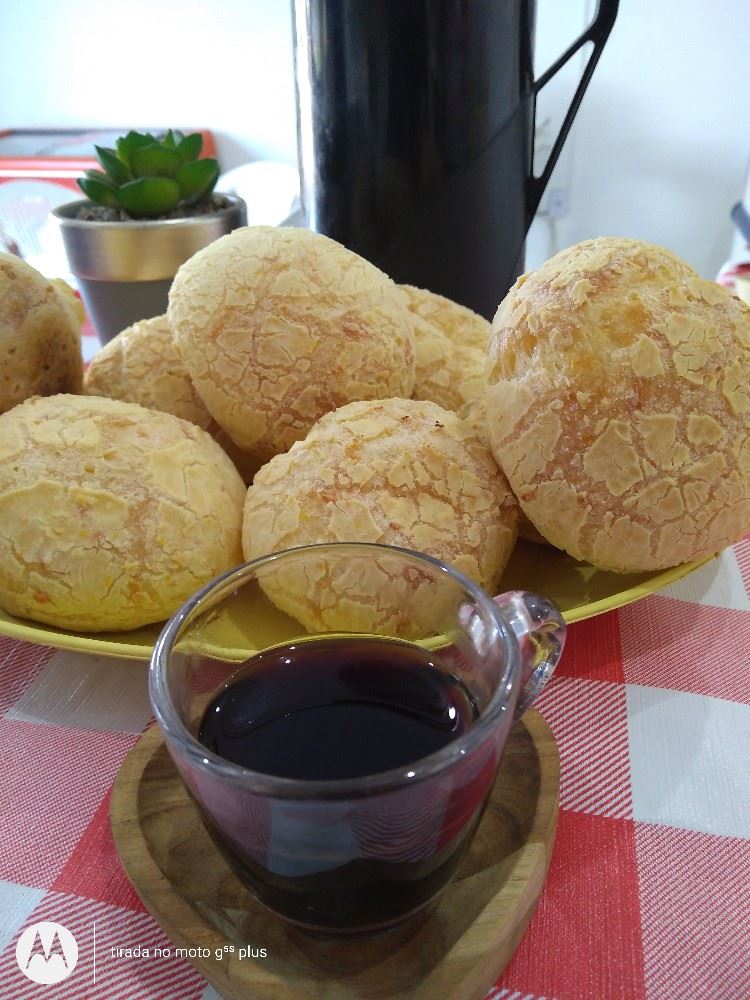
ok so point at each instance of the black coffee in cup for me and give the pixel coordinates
(327, 709)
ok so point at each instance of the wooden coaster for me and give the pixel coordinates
(454, 953)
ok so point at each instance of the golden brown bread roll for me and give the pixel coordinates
(142, 365)
(618, 405)
(451, 349)
(279, 326)
(40, 334)
(475, 414)
(400, 472)
(70, 302)
(448, 375)
(461, 326)
(111, 515)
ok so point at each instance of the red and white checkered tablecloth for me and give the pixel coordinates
(648, 894)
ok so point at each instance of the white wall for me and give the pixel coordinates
(659, 148)
(661, 142)
(220, 64)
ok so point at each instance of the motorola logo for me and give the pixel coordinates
(46, 953)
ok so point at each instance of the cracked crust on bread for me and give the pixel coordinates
(111, 515)
(399, 472)
(451, 349)
(461, 325)
(475, 414)
(278, 326)
(618, 405)
(40, 334)
(143, 365)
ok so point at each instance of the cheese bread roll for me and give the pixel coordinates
(278, 326)
(111, 515)
(398, 472)
(618, 405)
(451, 349)
(40, 334)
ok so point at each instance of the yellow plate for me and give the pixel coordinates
(579, 590)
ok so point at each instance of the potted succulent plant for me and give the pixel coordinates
(150, 207)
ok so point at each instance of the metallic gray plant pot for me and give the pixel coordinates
(124, 269)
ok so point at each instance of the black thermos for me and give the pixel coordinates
(416, 131)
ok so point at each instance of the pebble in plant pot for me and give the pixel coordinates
(148, 210)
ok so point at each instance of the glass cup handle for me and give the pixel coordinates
(540, 629)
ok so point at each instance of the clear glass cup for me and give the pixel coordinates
(363, 851)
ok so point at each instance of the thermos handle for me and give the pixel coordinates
(598, 33)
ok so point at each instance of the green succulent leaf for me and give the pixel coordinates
(127, 144)
(121, 148)
(97, 175)
(113, 165)
(190, 147)
(100, 192)
(155, 161)
(197, 180)
(173, 138)
(149, 177)
(149, 196)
